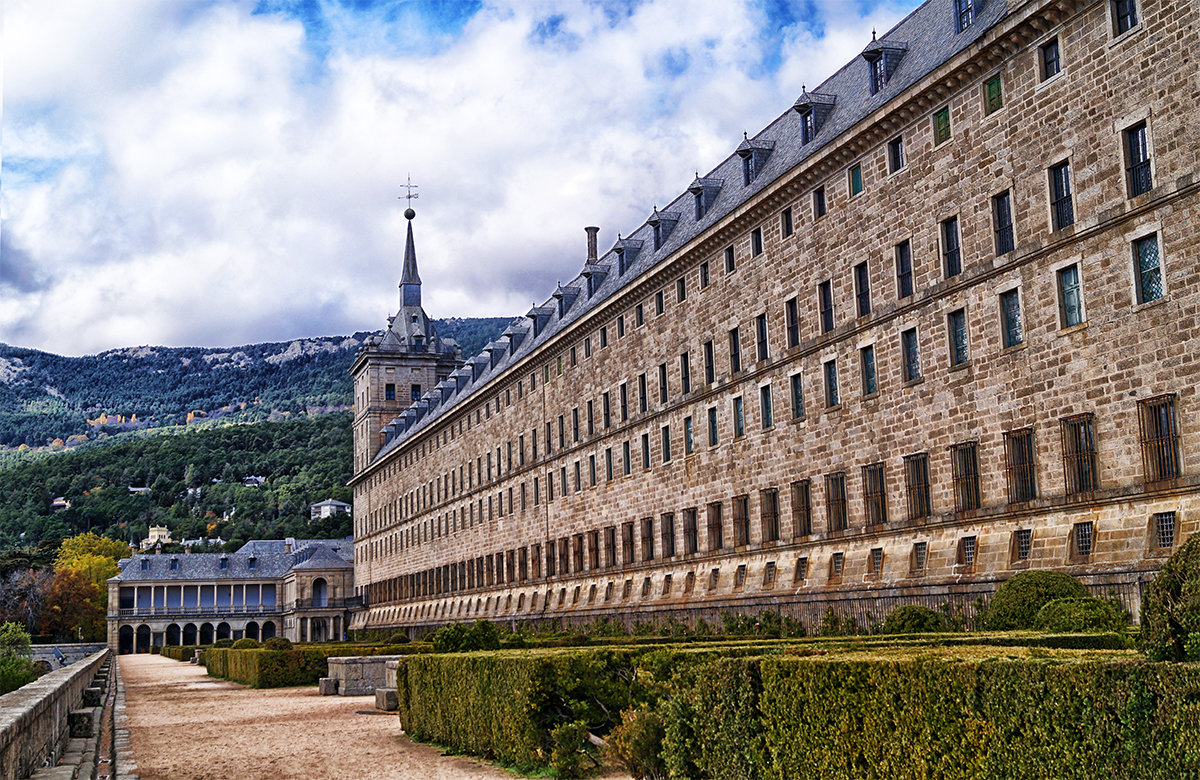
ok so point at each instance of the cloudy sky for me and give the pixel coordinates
(200, 172)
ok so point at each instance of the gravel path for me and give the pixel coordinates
(184, 724)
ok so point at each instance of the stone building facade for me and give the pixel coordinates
(300, 589)
(934, 325)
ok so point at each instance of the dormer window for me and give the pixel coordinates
(145, 564)
(657, 236)
(964, 14)
(882, 58)
(808, 127)
(223, 564)
(704, 194)
(753, 153)
(814, 108)
(748, 171)
(878, 75)
(174, 564)
(252, 564)
(626, 249)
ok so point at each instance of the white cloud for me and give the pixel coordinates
(213, 184)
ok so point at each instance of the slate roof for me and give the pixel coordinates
(271, 562)
(930, 37)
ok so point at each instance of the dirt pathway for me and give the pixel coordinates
(186, 725)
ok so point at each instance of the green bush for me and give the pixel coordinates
(1171, 607)
(15, 667)
(636, 743)
(265, 668)
(278, 643)
(461, 638)
(398, 638)
(246, 643)
(915, 619)
(222, 643)
(1017, 601)
(833, 624)
(1081, 616)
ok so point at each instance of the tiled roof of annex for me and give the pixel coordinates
(270, 561)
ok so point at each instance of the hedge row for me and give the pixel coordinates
(261, 668)
(810, 712)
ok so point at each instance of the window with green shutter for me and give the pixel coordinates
(993, 93)
(941, 125)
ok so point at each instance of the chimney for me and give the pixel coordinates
(591, 234)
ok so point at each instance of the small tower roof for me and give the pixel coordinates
(410, 275)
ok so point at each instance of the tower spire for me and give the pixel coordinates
(410, 280)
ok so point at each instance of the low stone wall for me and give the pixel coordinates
(35, 719)
(71, 652)
(359, 675)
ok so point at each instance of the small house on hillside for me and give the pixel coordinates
(328, 508)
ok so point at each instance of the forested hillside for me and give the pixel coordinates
(48, 399)
(197, 484)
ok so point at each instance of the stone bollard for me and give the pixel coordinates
(92, 696)
(386, 699)
(80, 722)
(327, 686)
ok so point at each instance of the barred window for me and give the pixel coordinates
(1082, 539)
(1079, 453)
(1160, 438)
(1164, 529)
(920, 554)
(876, 560)
(769, 507)
(1022, 544)
(966, 551)
(836, 565)
(741, 521)
(835, 500)
(875, 494)
(668, 535)
(1061, 205)
(916, 485)
(1010, 315)
(647, 538)
(800, 573)
(801, 508)
(714, 578)
(1147, 269)
(739, 576)
(769, 575)
(1137, 160)
(690, 541)
(716, 534)
(1019, 465)
(964, 461)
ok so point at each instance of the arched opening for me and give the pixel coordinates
(206, 634)
(189, 634)
(143, 639)
(125, 640)
(173, 634)
(223, 631)
(268, 630)
(252, 630)
(320, 590)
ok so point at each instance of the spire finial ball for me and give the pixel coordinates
(409, 214)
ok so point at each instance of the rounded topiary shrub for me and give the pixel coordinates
(398, 638)
(278, 643)
(1081, 616)
(915, 619)
(1171, 607)
(223, 643)
(246, 644)
(1018, 600)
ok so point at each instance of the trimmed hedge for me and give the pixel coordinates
(262, 668)
(1082, 615)
(1016, 602)
(1171, 607)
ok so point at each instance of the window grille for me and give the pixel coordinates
(951, 251)
(966, 551)
(878, 72)
(920, 555)
(916, 485)
(1149, 269)
(1060, 195)
(802, 508)
(739, 576)
(690, 541)
(1137, 152)
(875, 494)
(904, 280)
(964, 459)
(769, 499)
(1159, 438)
(836, 565)
(1023, 543)
(876, 560)
(715, 531)
(1019, 465)
(1079, 453)
(1010, 311)
(1083, 537)
(1164, 529)
(800, 574)
(835, 500)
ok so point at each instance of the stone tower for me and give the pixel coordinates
(396, 368)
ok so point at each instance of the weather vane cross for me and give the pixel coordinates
(409, 195)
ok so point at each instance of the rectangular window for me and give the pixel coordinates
(575, 424)
(797, 396)
(769, 509)
(710, 368)
(704, 275)
(735, 352)
(875, 562)
(606, 409)
(1147, 269)
(592, 470)
(785, 222)
(835, 501)
(964, 14)
(610, 546)
(1159, 438)
(587, 353)
(832, 398)
(1137, 160)
(1022, 544)
(1010, 318)
(825, 293)
(912, 355)
(904, 277)
(1002, 223)
(801, 508)
(645, 450)
(1049, 59)
(916, 485)
(920, 555)
(878, 72)
(716, 538)
(792, 320)
(666, 444)
(643, 401)
(1061, 206)
(685, 373)
(1019, 465)
(1164, 529)
(801, 572)
(662, 383)
(756, 242)
(856, 180)
(627, 457)
(688, 442)
(866, 360)
(603, 337)
(741, 521)
(874, 494)
(964, 463)
(862, 289)
(951, 250)
(712, 426)
(659, 303)
(591, 418)
(1082, 539)
(760, 335)
(895, 153)
(389, 392)
(1079, 453)
(1070, 297)
(647, 538)
(739, 418)
(764, 406)
(941, 125)
(608, 464)
(690, 537)
(818, 199)
(1125, 16)
(966, 551)
(668, 535)
(627, 542)
(623, 394)
(729, 264)
(956, 330)
(993, 94)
